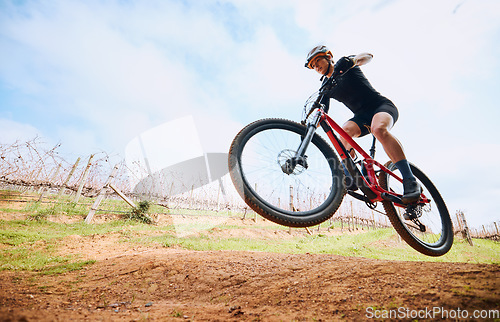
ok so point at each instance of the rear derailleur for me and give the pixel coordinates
(413, 212)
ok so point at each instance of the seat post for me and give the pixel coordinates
(372, 149)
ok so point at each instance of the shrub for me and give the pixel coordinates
(139, 213)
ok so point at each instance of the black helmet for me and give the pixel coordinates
(315, 52)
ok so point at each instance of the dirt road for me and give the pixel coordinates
(158, 284)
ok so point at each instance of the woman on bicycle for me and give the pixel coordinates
(372, 112)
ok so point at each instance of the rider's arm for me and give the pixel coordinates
(362, 59)
(326, 101)
(345, 64)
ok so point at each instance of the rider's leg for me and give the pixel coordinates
(353, 130)
(382, 122)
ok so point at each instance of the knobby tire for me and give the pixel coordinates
(307, 214)
(404, 228)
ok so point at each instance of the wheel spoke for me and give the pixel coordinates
(290, 191)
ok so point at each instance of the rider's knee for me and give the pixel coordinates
(380, 132)
(351, 129)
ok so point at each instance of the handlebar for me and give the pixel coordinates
(325, 87)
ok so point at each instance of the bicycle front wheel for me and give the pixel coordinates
(306, 197)
(426, 227)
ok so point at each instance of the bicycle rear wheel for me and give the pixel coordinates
(426, 227)
(308, 196)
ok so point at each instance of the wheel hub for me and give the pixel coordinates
(290, 164)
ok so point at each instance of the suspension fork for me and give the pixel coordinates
(300, 157)
(301, 151)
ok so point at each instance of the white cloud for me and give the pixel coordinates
(12, 131)
(111, 70)
(268, 75)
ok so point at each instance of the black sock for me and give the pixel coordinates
(404, 168)
(347, 174)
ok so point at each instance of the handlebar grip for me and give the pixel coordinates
(315, 106)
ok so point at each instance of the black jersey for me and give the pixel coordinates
(352, 88)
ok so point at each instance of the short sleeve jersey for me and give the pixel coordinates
(352, 88)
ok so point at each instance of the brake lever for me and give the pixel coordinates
(325, 87)
(316, 105)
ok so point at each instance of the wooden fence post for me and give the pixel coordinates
(84, 179)
(122, 195)
(99, 198)
(65, 184)
(352, 218)
(465, 232)
(459, 222)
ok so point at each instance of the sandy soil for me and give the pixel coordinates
(135, 283)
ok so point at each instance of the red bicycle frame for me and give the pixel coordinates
(377, 192)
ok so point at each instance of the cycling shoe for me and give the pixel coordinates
(412, 191)
(350, 184)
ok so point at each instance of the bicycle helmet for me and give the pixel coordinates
(315, 52)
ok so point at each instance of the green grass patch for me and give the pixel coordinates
(43, 261)
(22, 252)
(63, 268)
(346, 245)
(38, 211)
(27, 258)
(18, 232)
(32, 244)
(9, 210)
(376, 244)
(9, 194)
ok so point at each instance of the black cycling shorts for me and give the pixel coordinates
(364, 118)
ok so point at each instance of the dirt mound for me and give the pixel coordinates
(170, 284)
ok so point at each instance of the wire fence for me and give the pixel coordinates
(31, 168)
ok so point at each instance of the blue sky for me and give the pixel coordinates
(94, 74)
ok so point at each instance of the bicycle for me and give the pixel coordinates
(289, 174)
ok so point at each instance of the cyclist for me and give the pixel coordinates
(372, 112)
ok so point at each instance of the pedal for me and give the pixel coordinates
(358, 196)
(391, 198)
